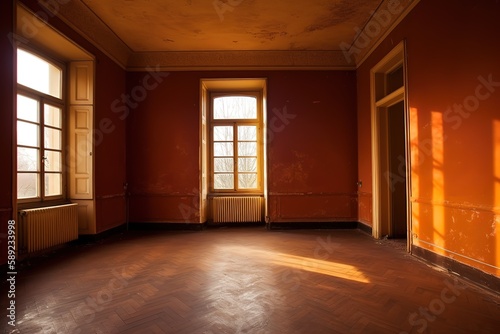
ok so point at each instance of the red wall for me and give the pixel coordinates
(455, 157)
(313, 161)
(110, 150)
(6, 122)
(312, 158)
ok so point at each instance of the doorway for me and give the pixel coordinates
(397, 170)
(390, 175)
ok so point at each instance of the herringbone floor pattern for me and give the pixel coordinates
(245, 280)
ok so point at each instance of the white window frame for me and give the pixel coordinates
(43, 99)
(235, 123)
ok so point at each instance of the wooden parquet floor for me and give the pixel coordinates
(245, 280)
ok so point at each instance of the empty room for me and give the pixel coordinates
(250, 166)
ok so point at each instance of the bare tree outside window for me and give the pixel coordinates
(235, 143)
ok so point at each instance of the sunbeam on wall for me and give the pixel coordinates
(496, 203)
(438, 177)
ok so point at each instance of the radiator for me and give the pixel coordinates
(227, 209)
(43, 228)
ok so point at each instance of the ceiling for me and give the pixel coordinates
(199, 25)
(232, 34)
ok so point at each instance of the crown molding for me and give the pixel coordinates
(404, 6)
(350, 56)
(239, 60)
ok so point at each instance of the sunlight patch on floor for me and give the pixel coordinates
(330, 268)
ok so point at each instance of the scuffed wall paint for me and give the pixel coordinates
(453, 94)
(311, 146)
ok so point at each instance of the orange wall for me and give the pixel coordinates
(452, 49)
(312, 158)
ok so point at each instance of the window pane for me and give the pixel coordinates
(27, 185)
(247, 132)
(27, 134)
(223, 181)
(247, 181)
(247, 164)
(223, 149)
(223, 133)
(52, 116)
(27, 108)
(53, 161)
(223, 165)
(247, 149)
(53, 138)
(53, 185)
(27, 159)
(38, 74)
(235, 107)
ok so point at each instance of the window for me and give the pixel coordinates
(236, 141)
(40, 136)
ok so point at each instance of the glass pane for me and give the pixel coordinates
(52, 116)
(223, 133)
(223, 149)
(27, 108)
(247, 149)
(53, 161)
(27, 134)
(53, 138)
(53, 186)
(38, 74)
(247, 181)
(247, 164)
(223, 165)
(27, 185)
(223, 181)
(247, 132)
(27, 159)
(235, 107)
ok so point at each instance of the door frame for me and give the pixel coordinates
(380, 101)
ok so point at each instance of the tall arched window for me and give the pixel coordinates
(40, 119)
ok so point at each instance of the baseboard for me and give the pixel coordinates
(365, 228)
(312, 225)
(86, 238)
(472, 274)
(138, 226)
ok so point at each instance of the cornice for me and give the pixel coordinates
(239, 60)
(402, 7)
(350, 56)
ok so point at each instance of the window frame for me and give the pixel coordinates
(42, 100)
(258, 122)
